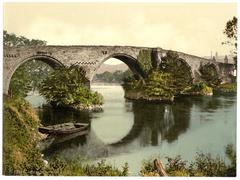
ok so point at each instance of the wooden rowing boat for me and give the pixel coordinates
(63, 129)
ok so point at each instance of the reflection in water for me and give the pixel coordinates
(136, 130)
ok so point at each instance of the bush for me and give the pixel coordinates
(159, 84)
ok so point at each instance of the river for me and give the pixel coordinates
(133, 132)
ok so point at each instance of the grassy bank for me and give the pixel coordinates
(20, 138)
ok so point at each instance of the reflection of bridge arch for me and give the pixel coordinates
(44, 58)
(132, 134)
(130, 61)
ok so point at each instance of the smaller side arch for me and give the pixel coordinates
(54, 63)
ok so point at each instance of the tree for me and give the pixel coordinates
(178, 70)
(231, 32)
(66, 87)
(210, 75)
(13, 40)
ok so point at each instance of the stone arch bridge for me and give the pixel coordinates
(91, 58)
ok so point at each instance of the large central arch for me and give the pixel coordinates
(52, 62)
(130, 61)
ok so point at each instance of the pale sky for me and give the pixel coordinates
(191, 28)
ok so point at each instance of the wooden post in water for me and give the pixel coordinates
(159, 167)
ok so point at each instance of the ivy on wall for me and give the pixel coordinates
(145, 60)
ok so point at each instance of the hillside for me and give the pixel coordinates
(112, 68)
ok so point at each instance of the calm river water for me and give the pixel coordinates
(133, 132)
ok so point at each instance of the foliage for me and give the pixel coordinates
(208, 165)
(145, 61)
(203, 165)
(178, 69)
(210, 75)
(231, 32)
(20, 127)
(66, 86)
(14, 40)
(159, 84)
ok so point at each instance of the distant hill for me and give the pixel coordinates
(112, 68)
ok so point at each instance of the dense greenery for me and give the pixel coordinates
(179, 70)
(20, 138)
(168, 80)
(159, 84)
(30, 74)
(210, 75)
(203, 165)
(67, 87)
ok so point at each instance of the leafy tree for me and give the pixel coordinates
(66, 86)
(210, 75)
(178, 70)
(231, 32)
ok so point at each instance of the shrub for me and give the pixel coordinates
(159, 84)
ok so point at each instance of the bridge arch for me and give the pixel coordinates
(129, 60)
(51, 61)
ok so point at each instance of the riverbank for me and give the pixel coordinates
(77, 167)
